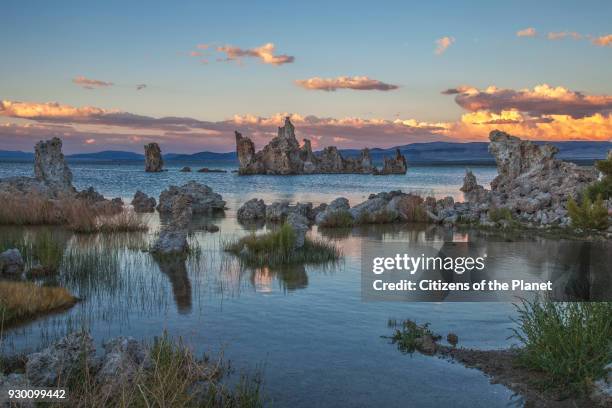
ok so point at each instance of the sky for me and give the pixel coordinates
(116, 75)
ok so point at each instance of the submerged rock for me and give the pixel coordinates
(283, 155)
(172, 239)
(143, 203)
(203, 199)
(11, 262)
(185, 169)
(57, 363)
(207, 170)
(153, 158)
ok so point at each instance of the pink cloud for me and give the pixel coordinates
(564, 34)
(603, 41)
(527, 32)
(443, 44)
(88, 83)
(265, 54)
(361, 83)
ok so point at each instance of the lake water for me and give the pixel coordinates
(307, 328)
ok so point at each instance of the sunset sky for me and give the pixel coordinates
(117, 75)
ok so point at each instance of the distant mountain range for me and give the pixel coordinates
(416, 153)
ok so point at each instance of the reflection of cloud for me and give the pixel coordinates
(443, 44)
(361, 83)
(527, 32)
(265, 53)
(88, 83)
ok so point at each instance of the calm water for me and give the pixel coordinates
(307, 327)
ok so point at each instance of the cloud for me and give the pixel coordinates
(195, 54)
(564, 34)
(202, 46)
(88, 83)
(527, 32)
(22, 124)
(361, 83)
(141, 87)
(541, 100)
(265, 53)
(443, 44)
(603, 41)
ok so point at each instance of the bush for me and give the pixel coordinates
(589, 215)
(602, 187)
(380, 217)
(570, 342)
(338, 219)
(277, 248)
(498, 214)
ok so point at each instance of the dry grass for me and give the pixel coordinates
(77, 215)
(412, 209)
(24, 300)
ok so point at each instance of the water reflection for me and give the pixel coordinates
(176, 270)
(291, 277)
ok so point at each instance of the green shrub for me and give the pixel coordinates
(602, 187)
(410, 335)
(589, 215)
(380, 217)
(570, 342)
(338, 219)
(498, 214)
(278, 248)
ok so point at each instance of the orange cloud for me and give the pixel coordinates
(361, 83)
(443, 44)
(541, 100)
(603, 41)
(88, 83)
(265, 53)
(527, 32)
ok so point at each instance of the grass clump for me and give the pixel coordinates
(338, 219)
(410, 336)
(171, 377)
(28, 209)
(277, 248)
(569, 342)
(589, 214)
(380, 217)
(25, 300)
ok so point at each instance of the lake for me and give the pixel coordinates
(305, 327)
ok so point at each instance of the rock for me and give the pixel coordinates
(50, 166)
(211, 228)
(277, 212)
(394, 165)
(283, 155)
(11, 262)
(338, 205)
(207, 170)
(602, 388)
(299, 224)
(473, 192)
(203, 199)
(143, 203)
(530, 178)
(123, 358)
(452, 339)
(153, 158)
(55, 364)
(90, 195)
(426, 344)
(254, 209)
(172, 239)
(185, 169)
